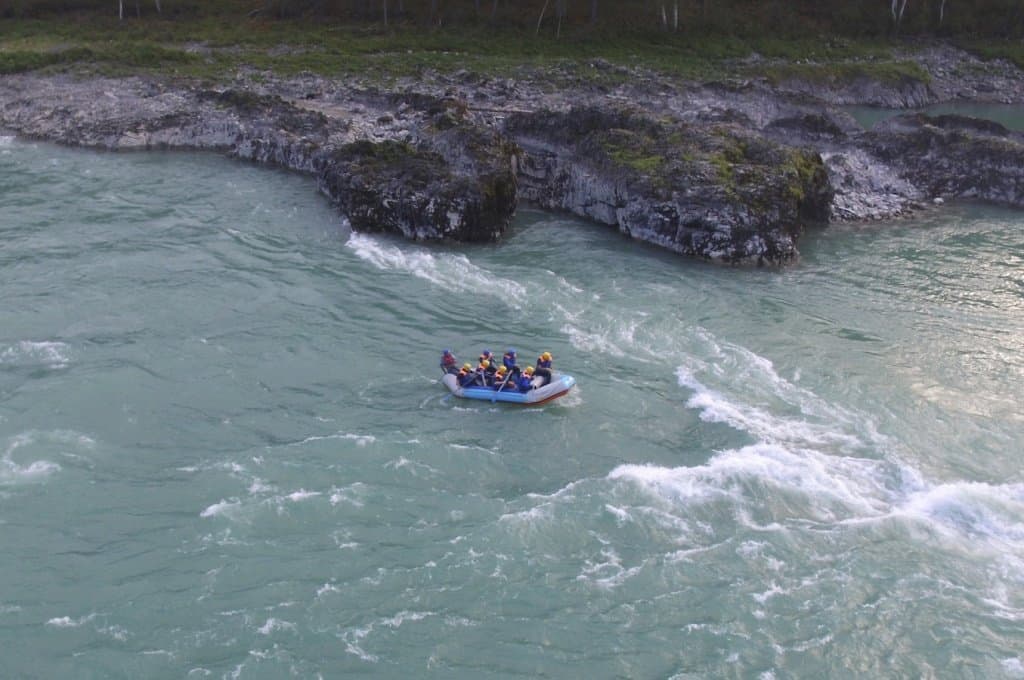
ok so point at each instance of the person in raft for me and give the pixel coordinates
(492, 364)
(483, 375)
(466, 376)
(501, 378)
(448, 362)
(509, 360)
(525, 382)
(543, 369)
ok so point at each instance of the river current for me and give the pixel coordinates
(225, 452)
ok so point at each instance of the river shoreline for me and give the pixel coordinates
(729, 171)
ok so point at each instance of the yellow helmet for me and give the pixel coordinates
(485, 363)
(467, 366)
(501, 369)
(546, 356)
(528, 370)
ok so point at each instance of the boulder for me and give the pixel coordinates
(717, 191)
(953, 156)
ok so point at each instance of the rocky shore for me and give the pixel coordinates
(731, 171)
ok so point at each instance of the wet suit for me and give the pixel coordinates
(543, 369)
(448, 363)
(466, 377)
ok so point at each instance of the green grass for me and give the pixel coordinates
(130, 56)
(215, 47)
(1012, 51)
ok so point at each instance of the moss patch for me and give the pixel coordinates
(633, 150)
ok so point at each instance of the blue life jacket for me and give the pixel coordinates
(525, 383)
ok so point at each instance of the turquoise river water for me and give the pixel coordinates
(225, 452)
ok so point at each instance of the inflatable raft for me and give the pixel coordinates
(559, 386)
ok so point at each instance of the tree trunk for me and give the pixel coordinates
(120, 10)
(541, 17)
(138, 10)
(158, 9)
(675, 16)
(593, 12)
(898, 14)
(385, 13)
(664, 17)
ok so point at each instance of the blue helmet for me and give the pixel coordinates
(487, 352)
(511, 351)
(447, 351)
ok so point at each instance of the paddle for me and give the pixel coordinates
(507, 379)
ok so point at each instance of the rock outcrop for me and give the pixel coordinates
(442, 176)
(953, 156)
(731, 170)
(718, 191)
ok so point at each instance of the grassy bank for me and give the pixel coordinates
(216, 46)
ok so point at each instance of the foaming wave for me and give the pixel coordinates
(607, 573)
(327, 589)
(224, 508)
(448, 270)
(765, 425)
(984, 520)
(235, 509)
(972, 508)
(14, 471)
(272, 625)
(767, 487)
(348, 495)
(832, 488)
(119, 633)
(412, 466)
(11, 472)
(302, 495)
(6, 140)
(353, 637)
(603, 341)
(740, 388)
(359, 439)
(68, 622)
(48, 353)
(1014, 667)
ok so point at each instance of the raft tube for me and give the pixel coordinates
(559, 386)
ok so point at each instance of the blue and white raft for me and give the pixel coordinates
(559, 386)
